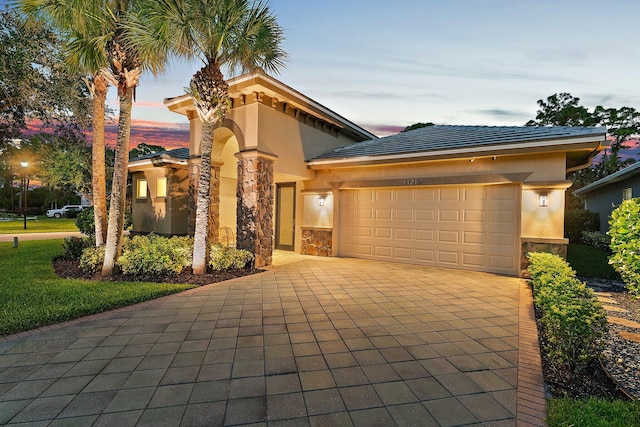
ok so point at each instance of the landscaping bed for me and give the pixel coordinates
(70, 268)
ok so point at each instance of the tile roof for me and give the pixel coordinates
(442, 137)
(177, 153)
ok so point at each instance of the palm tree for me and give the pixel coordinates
(237, 35)
(77, 22)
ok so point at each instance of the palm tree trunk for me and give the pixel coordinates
(119, 185)
(200, 246)
(98, 165)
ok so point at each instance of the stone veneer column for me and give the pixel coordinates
(194, 174)
(214, 202)
(255, 195)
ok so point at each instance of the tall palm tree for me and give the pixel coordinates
(236, 35)
(78, 23)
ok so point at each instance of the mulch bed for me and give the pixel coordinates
(594, 381)
(69, 268)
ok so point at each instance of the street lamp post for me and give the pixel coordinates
(25, 189)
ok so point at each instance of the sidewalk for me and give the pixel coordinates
(39, 236)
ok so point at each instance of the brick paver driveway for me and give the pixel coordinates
(313, 341)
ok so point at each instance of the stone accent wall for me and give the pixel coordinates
(552, 246)
(192, 197)
(255, 193)
(214, 202)
(214, 194)
(316, 241)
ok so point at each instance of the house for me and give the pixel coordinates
(604, 195)
(291, 174)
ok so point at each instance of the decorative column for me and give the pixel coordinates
(192, 197)
(214, 194)
(255, 195)
(214, 201)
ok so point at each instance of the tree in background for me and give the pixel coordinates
(144, 149)
(622, 123)
(34, 84)
(417, 126)
(231, 34)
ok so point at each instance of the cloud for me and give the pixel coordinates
(151, 104)
(500, 113)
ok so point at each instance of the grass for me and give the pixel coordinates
(33, 295)
(593, 413)
(588, 261)
(42, 225)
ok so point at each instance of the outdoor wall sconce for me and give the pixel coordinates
(543, 200)
(322, 200)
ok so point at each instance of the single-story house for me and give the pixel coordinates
(291, 174)
(606, 194)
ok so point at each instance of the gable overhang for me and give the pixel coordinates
(580, 152)
(160, 161)
(621, 175)
(257, 86)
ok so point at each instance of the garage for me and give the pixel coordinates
(473, 227)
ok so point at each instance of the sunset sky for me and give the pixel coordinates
(385, 65)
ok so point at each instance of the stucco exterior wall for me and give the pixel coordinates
(605, 199)
(162, 215)
(546, 169)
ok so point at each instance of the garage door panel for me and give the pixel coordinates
(469, 227)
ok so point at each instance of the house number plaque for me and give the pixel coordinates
(413, 181)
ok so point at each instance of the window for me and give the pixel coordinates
(141, 189)
(627, 194)
(161, 187)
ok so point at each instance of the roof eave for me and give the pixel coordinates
(593, 142)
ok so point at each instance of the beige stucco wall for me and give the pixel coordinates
(536, 221)
(162, 215)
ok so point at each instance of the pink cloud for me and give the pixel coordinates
(382, 130)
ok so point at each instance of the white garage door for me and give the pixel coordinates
(467, 227)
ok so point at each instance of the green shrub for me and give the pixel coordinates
(578, 220)
(73, 246)
(573, 319)
(155, 255)
(226, 257)
(597, 240)
(85, 222)
(92, 259)
(624, 229)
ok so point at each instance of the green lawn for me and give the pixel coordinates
(32, 295)
(42, 225)
(593, 413)
(588, 261)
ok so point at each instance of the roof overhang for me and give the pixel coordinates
(580, 152)
(259, 84)
(160, 161)
(618, 176)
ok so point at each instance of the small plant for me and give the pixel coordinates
(624, 229)
(73, 246)
(225, 258)
(85, 222)
(92, 259)
(572, 317)
(597, 240)
(155, 255)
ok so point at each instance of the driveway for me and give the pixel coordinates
(313, 341)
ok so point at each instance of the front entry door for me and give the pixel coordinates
(285, 216)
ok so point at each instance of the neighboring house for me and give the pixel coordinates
(294, 175)
(604, 195)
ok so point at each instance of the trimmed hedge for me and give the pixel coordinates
(624, 229)
(225, 258)
(155, 255)
(597, 240)
(572, 318)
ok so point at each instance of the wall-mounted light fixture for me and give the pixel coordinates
(543, 200)
(322, 200)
